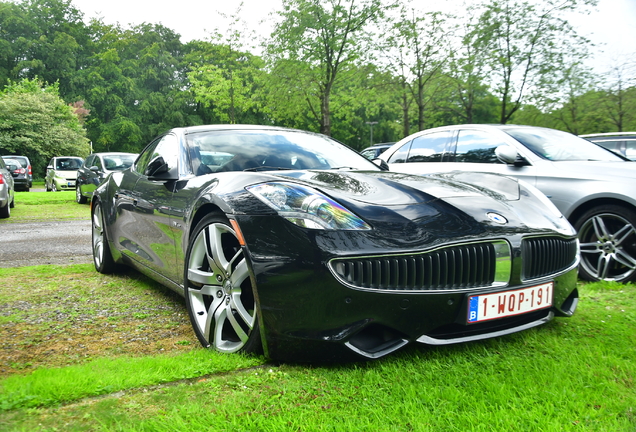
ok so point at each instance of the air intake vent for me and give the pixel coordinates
(544, 256)
(456, 267)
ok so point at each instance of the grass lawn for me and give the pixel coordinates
(46, 206)
(115, 353)
(82, 351)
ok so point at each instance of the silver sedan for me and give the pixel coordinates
(593, 187)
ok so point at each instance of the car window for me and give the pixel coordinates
(557, 145)
(20, 161)
(89, 161)
(369, 154)
(476, 147)
(166, 147)
(426, 148)
(218, 151)
(67, 164)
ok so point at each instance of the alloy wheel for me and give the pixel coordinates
(218, 289)
(608, 247)
(98, 237)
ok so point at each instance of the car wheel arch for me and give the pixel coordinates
(583, 208)
(200, 213)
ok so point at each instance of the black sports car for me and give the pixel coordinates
(289, 243)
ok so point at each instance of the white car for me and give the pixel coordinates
(593, 187)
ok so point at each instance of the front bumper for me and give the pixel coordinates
(307, 313)
(64, 184)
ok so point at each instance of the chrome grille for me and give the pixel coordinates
(455, 267)
(544, 256)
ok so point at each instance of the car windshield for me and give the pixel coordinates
(118, 162)
(250, 150)
(559, 146)
(18, 161)
(67, 164)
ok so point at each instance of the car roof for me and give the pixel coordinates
(611, 135)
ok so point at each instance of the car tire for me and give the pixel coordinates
(81, 199)
(5, 211)
(54, 187)
(607, 236)
(48, 187)
(219, 295)
(102, 258)
(12, 205)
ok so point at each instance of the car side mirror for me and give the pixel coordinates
(94, 168)
(158, 169)
(381, 163)
(509, 155)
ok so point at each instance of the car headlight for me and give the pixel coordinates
(307, 207)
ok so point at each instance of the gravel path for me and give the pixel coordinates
(36, 243)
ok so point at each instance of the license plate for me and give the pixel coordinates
(71, 184)
(486, 307)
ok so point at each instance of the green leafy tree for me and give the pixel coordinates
(228, 81)
(37, 123)
(421, 50)
(524, 43)
(43, 38)
(314, 45)
(134, 85)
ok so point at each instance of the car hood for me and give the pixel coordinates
(396, 189)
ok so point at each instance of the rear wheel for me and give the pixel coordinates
(607, 235)
(218, 289)
(102, 258)
(5, 211)
(81, 199)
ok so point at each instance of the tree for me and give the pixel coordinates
(134, 86)
(315, 43)
(618, 104)
(37, 123)
(523, 42)
(42, 38)
(420, 47)
(228, 79)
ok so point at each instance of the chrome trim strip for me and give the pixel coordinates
(399, 344)
(432, 341)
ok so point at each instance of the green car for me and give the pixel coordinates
(61, 173)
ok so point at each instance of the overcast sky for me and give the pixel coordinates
(612, 26)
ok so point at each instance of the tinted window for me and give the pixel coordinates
(89, 161)
(476, 147)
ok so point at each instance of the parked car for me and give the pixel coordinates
(299, 247)
(7, 191)
(375, 150)
(23, 175)
(620, 142)
(61, 173)
(593, 187)
(95, 168)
